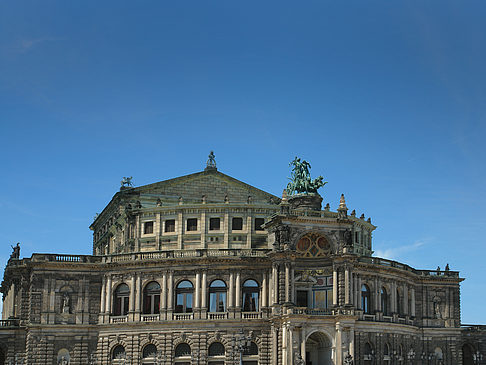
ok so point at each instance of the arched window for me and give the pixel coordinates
(216, 353)
(467, 355)
(250, 354)
(386, 354)
(384, 302)
(118, 353)
(122, 294)
(399, 302)
(63, 357)
(217, 296)
(250, 296)
(149, 351)
(151, 298)
(400, 355)
(438, 354)
(369, 353)
(183, 350)
(184, 291)
(365, 299)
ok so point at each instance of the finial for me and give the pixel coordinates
(204, 199)
(284, 196)
(226, 199)
(369, 219)
(342, 203)
(126, 182)
(327, 208)
(362, 216)
(211, 163)
(447, 267)
(353, 213)
(181, 201)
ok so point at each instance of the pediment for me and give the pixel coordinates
(215, 186)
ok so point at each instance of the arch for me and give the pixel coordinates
(318, 349)
(118, 353)
(467, 354)
(250, 354)
(399, 302)
(184, 296)
(251, 291)
(63, 357)
(121, 299)
(151, 298)
(216, 349)
(368, 353)
(217, 296)
(438, 353)
(386, 353)
(384, 302)
(149, 351)
(365, 299)
(182, 350)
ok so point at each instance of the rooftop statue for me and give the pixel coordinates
(300, 182)
(211, 163)
(126, 182)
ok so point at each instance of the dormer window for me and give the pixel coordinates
(148, 228)
(214, 224)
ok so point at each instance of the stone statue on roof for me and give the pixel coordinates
(211, 163)
(300, 181)
(126, 182)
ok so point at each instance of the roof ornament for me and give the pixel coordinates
(126, 182)
(342, 209)
(211, 163)
(300, 181)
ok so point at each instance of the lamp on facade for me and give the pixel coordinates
(411, 356)
(477, 357)
(240, 344)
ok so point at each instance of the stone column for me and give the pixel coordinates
(264, 290)
(377, 302)
(238, 291)
(275, 284)
(335, 287)
(108, 297)
(346, 286)
(412, 304)
(231, 291)
(284, 345)
(249, 231)
(359, 293)
(287, 282)
(198, 291)
(405, 300)
(351, 343)
(270, 288)
(158, 230)
(103, 298)
(226, 228)
(339, 344)
(275, 345)
(138, 297)
(393, 297)
(292, 288)
(203, 230)
(180, 229)
(131, 306)
(170, 295)
(302, 343)
(204, 291)
(163, 297)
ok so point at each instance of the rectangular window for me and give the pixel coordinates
(170, 225)
(237, 224)
(258, 224)
(214, 224)
(192, 224)
(148, 228)
(302, 298)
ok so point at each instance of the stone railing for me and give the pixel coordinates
(160, 255)
(399, 265)
(39, 257)
(118, 319)
(251, 315)
(312, 311)
(216, 315)
(150, 317)
(9, 323)
(182, 316)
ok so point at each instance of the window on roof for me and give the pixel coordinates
(192, 224)
(259, 223)
(214, 224)
(148, 228)
(237, 224)
(170, 225)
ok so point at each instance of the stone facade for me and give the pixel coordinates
(203, 269)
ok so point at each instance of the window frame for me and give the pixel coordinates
(250, 291)
(219, 294)
(121, 300)
(150, 299)
(185, 292)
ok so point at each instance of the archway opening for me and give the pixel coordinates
(318, 349)
(467, 355)
(2, 357)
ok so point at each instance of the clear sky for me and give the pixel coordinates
(386, 99)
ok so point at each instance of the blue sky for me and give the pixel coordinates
(385, 99)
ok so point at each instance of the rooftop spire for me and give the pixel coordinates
(211, 163)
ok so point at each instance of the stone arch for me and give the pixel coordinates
(149, 340)
(467, 352)
(63, 357)
(319, 347)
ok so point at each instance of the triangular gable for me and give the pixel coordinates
(212, 184)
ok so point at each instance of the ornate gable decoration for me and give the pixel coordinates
(314, 245)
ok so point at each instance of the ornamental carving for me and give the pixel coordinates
(314, 245)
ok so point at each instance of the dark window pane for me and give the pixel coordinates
(302, 298)
(258, 224)
(214, 224)
(192, 224)
(237, 224)
(148, 227)
(170, 225)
